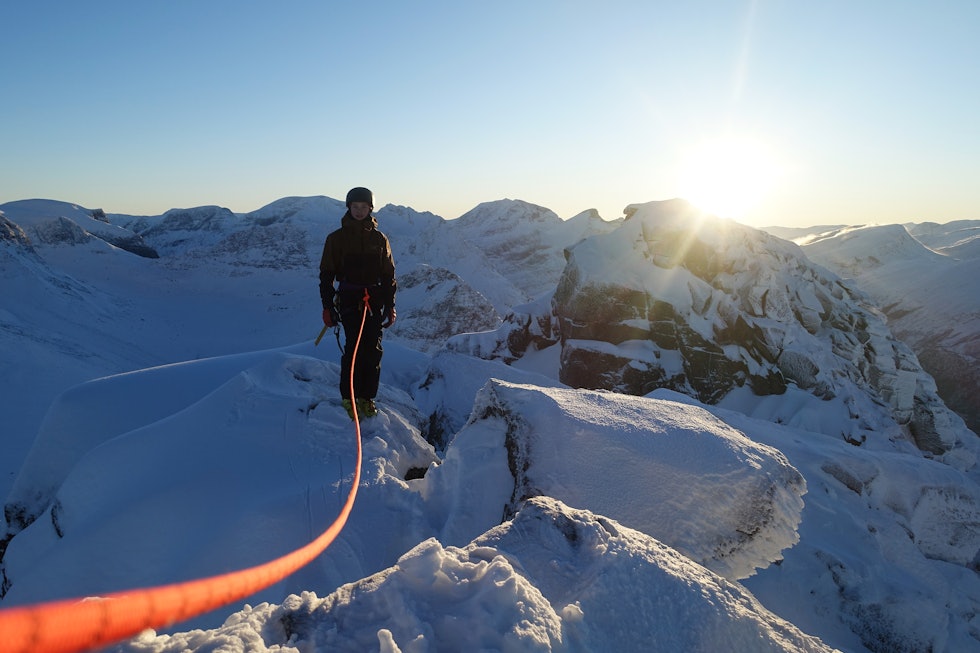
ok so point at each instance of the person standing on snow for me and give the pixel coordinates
(358, 258)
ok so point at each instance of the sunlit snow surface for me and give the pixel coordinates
(554, 519)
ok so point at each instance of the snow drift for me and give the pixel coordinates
(500, 507)
(680, 475)
(550, 579)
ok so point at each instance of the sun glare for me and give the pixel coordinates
(728, 177)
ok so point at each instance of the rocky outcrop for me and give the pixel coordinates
(182, 230)
(435, 304)
(916, 274)
(680, 300)
(523, 242)
(507, 449)
(10, 232)
(60, 223)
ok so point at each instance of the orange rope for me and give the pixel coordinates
(80, 624)
(353, 358)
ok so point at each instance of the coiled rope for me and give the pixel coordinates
(81, 624)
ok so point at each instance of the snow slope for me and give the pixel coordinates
(922, 277)
(250, 469)
(535, 517)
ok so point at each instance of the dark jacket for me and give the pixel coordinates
(357, 256)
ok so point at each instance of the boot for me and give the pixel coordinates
(366, 407)
(349, 407)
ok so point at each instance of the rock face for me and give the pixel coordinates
(12, 233)
(523, 243)
(439, 304)
(915, 273)
(680, 300)
(518, 236)
(55, 223)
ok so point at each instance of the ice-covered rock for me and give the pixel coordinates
(916, 274)
(451, 383)
(682, 476)
(678, 299)
(435, 304)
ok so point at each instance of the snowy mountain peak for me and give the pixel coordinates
(949, 237)
(525, 242)
(664, 210)
(311, 212)
(856, 249)
(29, 212)
(508, 499)
(499, 214)
(178, 228)
(925, 289)
(718, 310)
(62, 223)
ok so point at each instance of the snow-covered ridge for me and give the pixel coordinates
(536, 604)
(921, 276)
(285, 437)
(61, 223)
(742, 503)
(730, 315)
(548, 517)
(852, 249)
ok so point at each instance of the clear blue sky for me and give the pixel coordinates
(866, 111)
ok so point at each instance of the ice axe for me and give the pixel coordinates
(336, 331)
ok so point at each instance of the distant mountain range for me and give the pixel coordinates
(866, 336)
(922, 276)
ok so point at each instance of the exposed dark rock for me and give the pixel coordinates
(12, 233)
(679, 300)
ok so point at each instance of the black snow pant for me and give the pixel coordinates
(367, 367)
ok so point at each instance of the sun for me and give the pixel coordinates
(728, 176)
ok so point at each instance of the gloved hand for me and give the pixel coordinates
(330, 317)
(390, 317)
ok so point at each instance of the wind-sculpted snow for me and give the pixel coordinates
(446, 393)
(681, 475)
(252, 469)
(906, 579)
(240, 451)
(256, 464)
(91, 414)
(552, 579)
